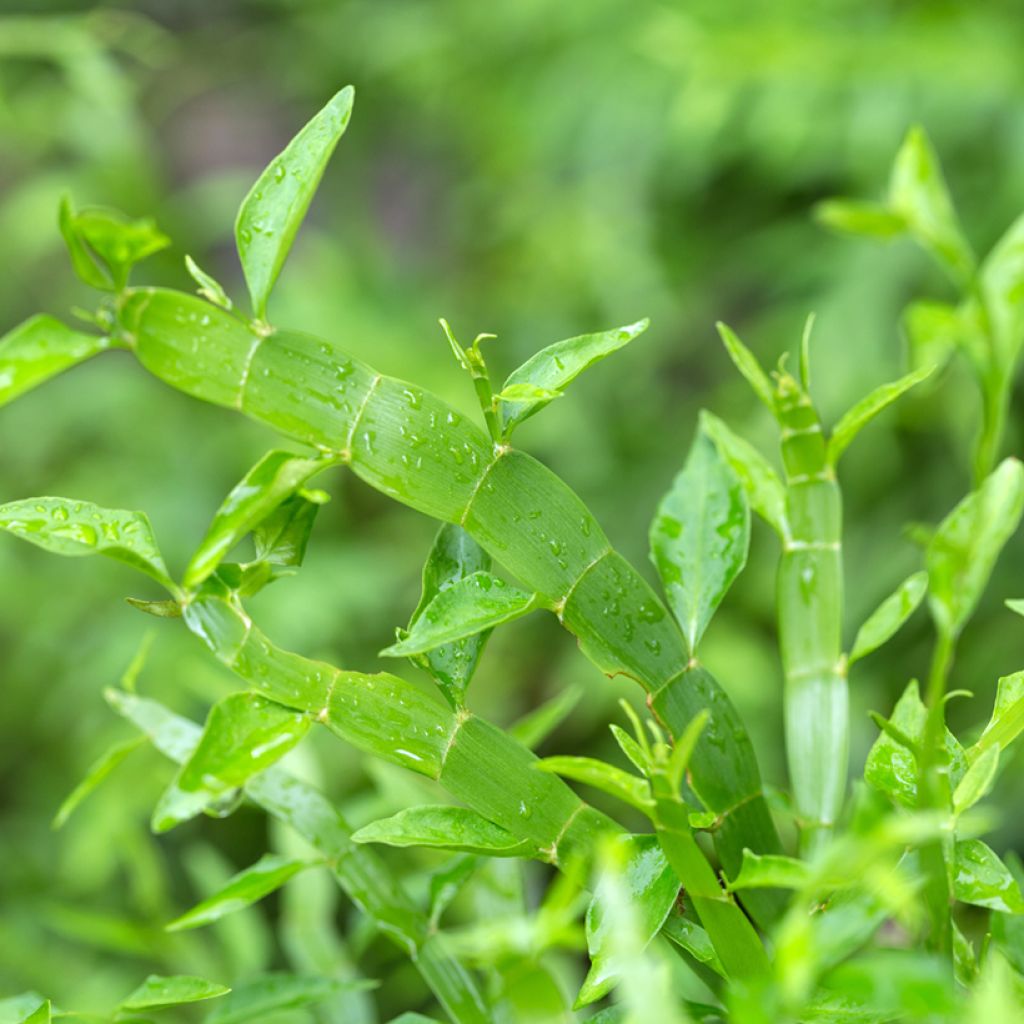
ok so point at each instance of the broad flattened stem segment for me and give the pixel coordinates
(810, 599)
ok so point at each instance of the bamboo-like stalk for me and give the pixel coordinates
(810, 609)
(360, 872)
(413, 447)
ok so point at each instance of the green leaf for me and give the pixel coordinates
(771, 871)
(631, 748)
(468, 606)
(977, 780)
(982, 879)
(98, 771)
(536, 726)
(746, 362)
(918, 193)
(270, 215)
(14, 1009)
(859, 217)
(276, 992)
(157, 992)
(1007, 721)
(1001, 281)
(890, 615)
(260, 493)
(446, 828)
(75, 528)
(453, 557)
(861, 413)
(553, 368)
(244, 734)
(634, 895)
(700, 537)
(602, 776)
(209, 288)
(39, 349)
(41, 1015)
(891, 768)
(251, 884)
(964, 548)
(764, 489)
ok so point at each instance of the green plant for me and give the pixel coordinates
(756, 935)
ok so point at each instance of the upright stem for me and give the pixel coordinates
(810, 597)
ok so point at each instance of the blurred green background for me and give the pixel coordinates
(529, 168)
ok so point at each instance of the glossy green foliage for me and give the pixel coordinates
(966, 544)
(889, 616)
(157, 993)
(244, 734)
(699, 537)
(79, 528)
(545, 375)
(253, 883)
(606, 777)
(39, 349)
(447, 828)
(981, 878)
(271, 214)
(1007, 721)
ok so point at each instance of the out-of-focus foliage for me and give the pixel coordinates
(525, 168)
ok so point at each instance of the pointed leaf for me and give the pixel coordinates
(274, 479)
(630, 748)
(1007, 721)
(39, 349)
(244, 734)
(76, 528)
(641, 878)
(771, 871)
(110, 240)
(157, 992)
(447, 828)
(982, 879)
(764, 489)
(209, 288)
(553, 368)
(700, 537)
(602, 776)
(858, 217)
(281, 538)
(890, 615)
(1001, 280)
(918, 193)
(94, 777)
(269, 873)
(536, 726)
(469, 606)
(276, 992)
(453, 557)
(863, 412)
(270, 215)
(977, 780)
(964, 549)
(746, 362)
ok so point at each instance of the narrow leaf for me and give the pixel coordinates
(964, 548)
(982, 879)
(115, 240)
(602, 776)
(276, 992)
(269, 873)
(771, 871)
(453, 557)
(274, 479)
(244, 734)
(858, 217)
(977, 780)
(39, 349)
(158, 991)
(746, 362)
(1001, 281)
(98, 771)
(890, 615)
(918, 193)
(1007, 721)
(764, 489)
(446, 828)
(553, 368)
(700, 537)
(75, 528)
(536, 726)
(209, 288)
(630, 748)
(469, 606)
(270, 215)
(859, 415)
